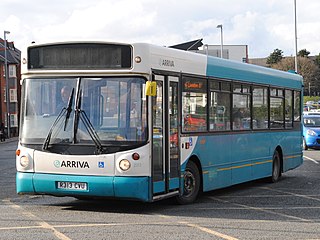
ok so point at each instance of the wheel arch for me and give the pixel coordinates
(196, 160)
(279, 150)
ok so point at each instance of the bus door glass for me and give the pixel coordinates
(165, 155)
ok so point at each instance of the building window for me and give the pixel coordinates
(12, 71)
(13, 120)
(4, 95)
(13, 95)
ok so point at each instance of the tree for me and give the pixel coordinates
(275, 57)
(317, 60)
(303, 53)
(307, 68)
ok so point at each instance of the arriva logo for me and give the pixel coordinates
(56, 163)
(70, 164)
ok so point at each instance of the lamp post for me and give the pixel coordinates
(220, 26)
(295, 38)
(7, 82)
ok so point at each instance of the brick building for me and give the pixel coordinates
(14, 76)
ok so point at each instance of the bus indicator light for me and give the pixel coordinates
(135, 156)
(18, 151)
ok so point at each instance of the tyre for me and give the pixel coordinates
(191, 184)
(304, 144)
(276, 167)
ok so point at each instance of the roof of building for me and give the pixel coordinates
(13, 54)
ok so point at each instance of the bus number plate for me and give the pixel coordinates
(73, 185)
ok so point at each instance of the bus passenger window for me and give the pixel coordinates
(260, 107)
(219, 107)
(241, 112)
(194, 102)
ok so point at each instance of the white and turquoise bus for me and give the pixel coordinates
(143, 122)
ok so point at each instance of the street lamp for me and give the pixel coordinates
(295, 38)
(220, 26)
(7, 82)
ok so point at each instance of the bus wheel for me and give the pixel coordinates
(191, 186)
(276, 167)
(304, 144)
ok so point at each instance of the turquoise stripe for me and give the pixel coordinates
(136, 188)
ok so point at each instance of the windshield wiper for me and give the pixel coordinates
(68, 109)
(81, 114)
(56, 121)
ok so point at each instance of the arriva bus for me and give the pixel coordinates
(142, 122)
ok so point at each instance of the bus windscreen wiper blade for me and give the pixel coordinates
(93, 134)
(47, 140)
(64, 110)
(68, 109)
(80, 114)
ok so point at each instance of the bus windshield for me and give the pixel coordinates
(114, 107)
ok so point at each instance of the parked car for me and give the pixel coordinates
(311, 131)
(308, 103)
(311, 113)
(308, 108)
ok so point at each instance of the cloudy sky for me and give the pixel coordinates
(263, 25)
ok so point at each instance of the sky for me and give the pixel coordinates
(263, 25)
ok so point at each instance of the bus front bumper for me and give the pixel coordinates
(135, 188)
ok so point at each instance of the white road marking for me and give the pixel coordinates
(310, 159)
(40, 222)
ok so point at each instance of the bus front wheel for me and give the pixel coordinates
(191, 184)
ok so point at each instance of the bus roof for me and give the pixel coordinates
(194, 63)
(174, 60)
(222, 68)
(169, 59)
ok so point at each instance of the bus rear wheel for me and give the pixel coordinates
(304, 144)
(276, 167)
(191, 184)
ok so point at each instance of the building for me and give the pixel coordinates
(259, 61)
(14, 76)
(232, 52)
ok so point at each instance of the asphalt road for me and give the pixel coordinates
(289, 209)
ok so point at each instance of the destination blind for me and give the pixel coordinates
(80, 56)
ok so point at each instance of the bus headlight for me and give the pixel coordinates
(124, 165)
(24, 161)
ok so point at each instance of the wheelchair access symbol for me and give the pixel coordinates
(100, 164)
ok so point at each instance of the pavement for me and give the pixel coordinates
(13, 139)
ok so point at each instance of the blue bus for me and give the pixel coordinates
(143, 122)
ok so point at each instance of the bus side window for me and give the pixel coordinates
(194, 102)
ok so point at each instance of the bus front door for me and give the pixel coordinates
(165, 151)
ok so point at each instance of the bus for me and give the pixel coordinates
(143, 122)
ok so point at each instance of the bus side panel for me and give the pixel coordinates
(232, 159)
(292, 150)
(242, 154)
(214, 153)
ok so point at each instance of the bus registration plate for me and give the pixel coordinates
(73, 185)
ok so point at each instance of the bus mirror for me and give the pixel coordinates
(151, 88)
